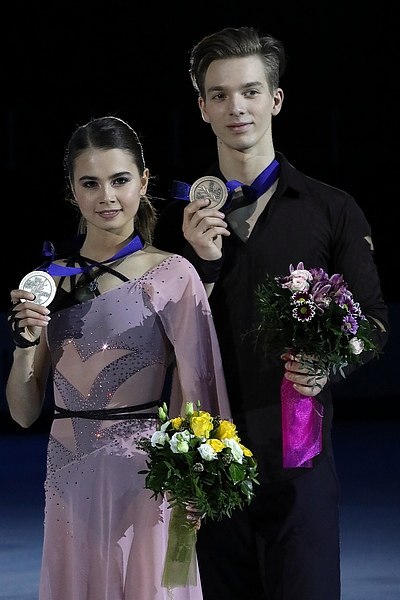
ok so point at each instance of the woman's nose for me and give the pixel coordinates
(108, 195)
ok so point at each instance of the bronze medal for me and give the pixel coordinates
(209, 187)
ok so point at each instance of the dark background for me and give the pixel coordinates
(64, 63)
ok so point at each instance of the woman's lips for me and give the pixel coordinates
(108, 214)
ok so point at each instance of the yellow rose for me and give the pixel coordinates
(216, 445)
(202, 425)
(246, 451)
(227, 430)
(177, 422)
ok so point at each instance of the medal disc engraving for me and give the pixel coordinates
(209, 187)
(41, 284)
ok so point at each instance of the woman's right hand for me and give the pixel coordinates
(26, 316)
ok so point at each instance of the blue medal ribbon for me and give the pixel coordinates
(180, 189)
(58, 270)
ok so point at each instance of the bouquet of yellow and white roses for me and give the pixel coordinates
(196, 459)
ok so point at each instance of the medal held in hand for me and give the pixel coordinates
(209, 187)
(41, 284)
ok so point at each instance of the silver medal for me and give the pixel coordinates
(41, 284)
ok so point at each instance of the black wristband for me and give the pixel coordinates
(208, 270)
(19, 339)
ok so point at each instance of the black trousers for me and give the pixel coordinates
(285, 546)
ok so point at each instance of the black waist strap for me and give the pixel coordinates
(107, 414)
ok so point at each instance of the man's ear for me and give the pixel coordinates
(278, 101)
(203, 109)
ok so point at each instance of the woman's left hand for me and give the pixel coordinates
(193, 515)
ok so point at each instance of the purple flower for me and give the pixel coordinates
(304, 311)
(350, 325)
(320, 294)
(337, 282)
(300, 297)
(310, 313)
(319, 275)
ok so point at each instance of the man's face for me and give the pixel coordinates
(238, 103)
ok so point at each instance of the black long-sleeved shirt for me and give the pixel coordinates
(304, 221)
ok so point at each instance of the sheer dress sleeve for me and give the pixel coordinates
(182, 306)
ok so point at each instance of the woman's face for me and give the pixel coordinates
(107, 186)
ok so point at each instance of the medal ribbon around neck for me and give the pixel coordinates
(267, 177)
(58, 270)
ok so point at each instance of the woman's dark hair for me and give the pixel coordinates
(108, 133)
(235, 43)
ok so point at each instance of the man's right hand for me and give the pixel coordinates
(203, 228)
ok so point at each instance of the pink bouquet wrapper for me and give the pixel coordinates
(301, 427)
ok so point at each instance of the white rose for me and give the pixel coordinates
(180, 442)
(207, 452)
(159, 438)
(356, 345)
(189, 409)
(299, 283)
(236, 450)
(302, 273)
